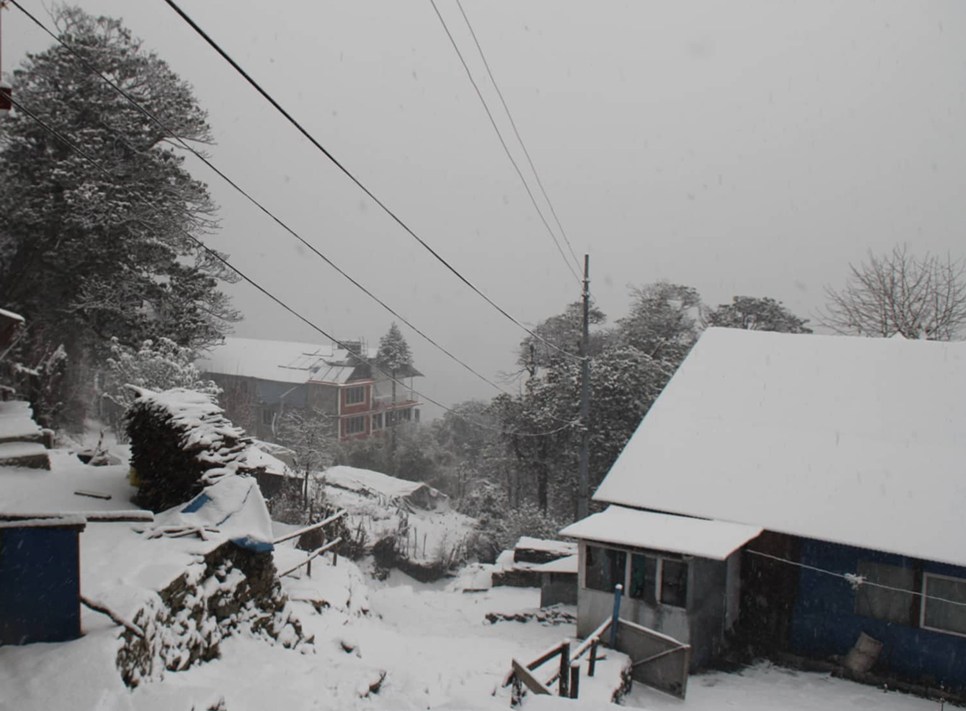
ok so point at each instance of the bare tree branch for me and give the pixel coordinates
(917, 297)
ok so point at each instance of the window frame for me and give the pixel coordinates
(653, 590)
(607, 552)
(350, 391)
(925, 600)
(348, 431)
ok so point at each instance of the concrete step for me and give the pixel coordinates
(31, 455)
(17, 424)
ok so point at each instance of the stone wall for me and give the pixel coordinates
(233, 591)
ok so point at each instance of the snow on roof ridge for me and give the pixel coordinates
(829, 437)
(685, 535)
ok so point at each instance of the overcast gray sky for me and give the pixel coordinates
(751, 147)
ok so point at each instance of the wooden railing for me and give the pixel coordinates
(313, 527)
(327, 546)
(657, 660)
(566, 672)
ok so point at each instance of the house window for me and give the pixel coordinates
(655, 579)
(604, 568)
(377, 421)
(643, 578)
(355, 395)
(944, 604)
(674, 582)
(394, 416)
(355, 425)
(881, 603)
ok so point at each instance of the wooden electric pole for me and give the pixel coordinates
(583, 465)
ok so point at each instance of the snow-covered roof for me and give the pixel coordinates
(67, 521)
(544, 545)
(279, 361)
(365, 480)
(567, 564)
(663, 532)
(850, 440)
(42, 493)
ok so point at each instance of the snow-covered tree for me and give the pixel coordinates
(310, 434)
(394, 356)
(663, 321)
(756, 314)
(919, 297)
(395, 360)
(560, 333)
(154, 365)
(630, 368)
(89, 254)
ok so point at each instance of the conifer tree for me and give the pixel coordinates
(88, 254)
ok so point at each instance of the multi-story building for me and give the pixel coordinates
(262, 380)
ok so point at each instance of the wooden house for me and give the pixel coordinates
(262, 380)
(797, 492)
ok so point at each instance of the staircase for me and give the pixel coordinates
(22, 442)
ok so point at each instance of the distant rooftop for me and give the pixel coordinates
(280, 361)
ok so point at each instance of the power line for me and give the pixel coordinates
(506, 148)
(856, 580)
(516, 132)
(352, 177)
(224, 261)
(181, 141)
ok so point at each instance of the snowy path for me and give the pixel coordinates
(435, 645)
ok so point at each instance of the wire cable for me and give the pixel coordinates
(398, 220)
(856, 580)
(200, 156)
(224, 261)
(516, 132)
(506, 149)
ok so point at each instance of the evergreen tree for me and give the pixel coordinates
(560, 333)
(663, 321)
(629, 368)
(88, 255)
(757, 314)
(394, 355)
(396, 360)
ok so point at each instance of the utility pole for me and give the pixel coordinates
(583, 466)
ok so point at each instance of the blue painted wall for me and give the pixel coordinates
(824, 622)
(39, 585)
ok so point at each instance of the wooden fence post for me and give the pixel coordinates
(574, 680)
(564, 684)
(592, 664)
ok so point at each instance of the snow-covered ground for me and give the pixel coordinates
(431, 641)
(392, 644)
